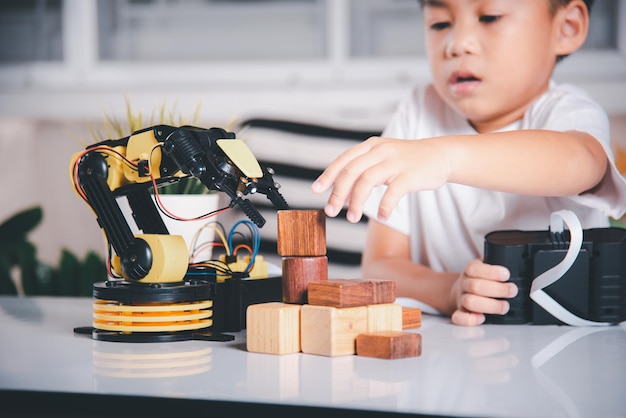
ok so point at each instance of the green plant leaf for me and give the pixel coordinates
(68, 275)
(26, 260)
(7, 287)
(93, 270)
(46, 280)
(186, 185)
(18, 226)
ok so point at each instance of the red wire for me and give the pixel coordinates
(79, 189)
(170, 214)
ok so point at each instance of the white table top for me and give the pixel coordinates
(487, 371)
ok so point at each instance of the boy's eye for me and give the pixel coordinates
(440, 25)
(489, 18)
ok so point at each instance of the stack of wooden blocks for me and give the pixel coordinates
(327, 317)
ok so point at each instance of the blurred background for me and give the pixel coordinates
(68, 65)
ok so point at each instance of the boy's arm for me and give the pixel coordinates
(533, 162)
(465, 297)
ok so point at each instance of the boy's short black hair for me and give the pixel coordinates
(554, 4)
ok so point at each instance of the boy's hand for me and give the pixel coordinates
(477, 292)
(403, 166)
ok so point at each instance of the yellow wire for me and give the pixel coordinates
(219, 231)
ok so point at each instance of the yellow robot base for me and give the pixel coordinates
(156, 312)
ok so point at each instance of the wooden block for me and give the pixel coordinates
(389, 344)
(351, 292)
(384, 317)
(298, 272)
(273, 328)
(329, 331)
(411, 318)
(301, 233)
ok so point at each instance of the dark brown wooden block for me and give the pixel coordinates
(298, 272)
(301, 233)
(389, 344)
(411, 318)
(384, 291)
(351, 292)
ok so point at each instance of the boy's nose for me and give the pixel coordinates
(461, 41)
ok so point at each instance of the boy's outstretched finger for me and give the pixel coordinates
(328, 177)
(333, 170)
(372, 173)
(395, 190)
(339, 194)
(354, 184)
(322, 183)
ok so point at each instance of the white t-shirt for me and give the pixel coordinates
(447, 226)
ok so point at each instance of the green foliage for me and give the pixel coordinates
(72, 277)
(186, 185)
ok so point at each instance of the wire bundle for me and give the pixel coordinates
(250, 243)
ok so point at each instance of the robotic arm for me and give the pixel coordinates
(154, 157)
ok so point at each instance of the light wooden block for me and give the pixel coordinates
(351, 292)
(389, 344)
(298, 272)
(273, 328)
(301, 233)
(384, 317)
(411, 318)
(330, 331)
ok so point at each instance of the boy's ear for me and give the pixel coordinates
(571, 25)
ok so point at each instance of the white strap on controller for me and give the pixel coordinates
(555, 273)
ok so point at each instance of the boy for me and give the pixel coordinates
(496, 145)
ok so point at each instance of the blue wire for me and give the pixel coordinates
(256, 240)
(204, 272)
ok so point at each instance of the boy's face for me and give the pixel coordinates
(490, 58)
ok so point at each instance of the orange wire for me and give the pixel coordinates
(244, 246)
